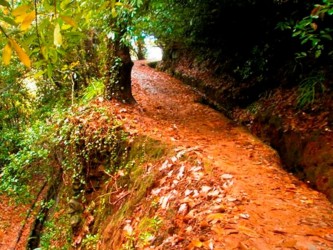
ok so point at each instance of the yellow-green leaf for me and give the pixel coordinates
(57, 36)
(8, 20)
(19, 19)
(39, 74)
(69, 20)
(20, 10)
(6, 54)
(49, 70)
(28, 20)
(114, 13)
(24, 58)
(45, 53)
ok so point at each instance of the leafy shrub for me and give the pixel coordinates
(85, 148)
(29, 161)
(94, 89)
(315, 29)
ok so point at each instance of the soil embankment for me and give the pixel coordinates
(302, 137)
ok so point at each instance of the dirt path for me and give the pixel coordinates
(276, 210)
(242, 199)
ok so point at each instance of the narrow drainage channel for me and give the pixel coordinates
(37, 227)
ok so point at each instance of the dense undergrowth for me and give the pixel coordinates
(105, 176)
(78, 168)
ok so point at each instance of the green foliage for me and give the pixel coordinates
(316, 31)
(56, 230)
(308, 89)
(255, 66)
(94, 89)
(85, 148)
(14, 111)
(146, 231)
(30, 161)
(90, 241)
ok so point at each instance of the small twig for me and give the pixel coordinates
(36, 24)
(123, 196)
(73, 88)
(4, 32)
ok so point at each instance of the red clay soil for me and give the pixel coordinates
(266, 207)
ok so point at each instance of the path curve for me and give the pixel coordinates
(283, 211)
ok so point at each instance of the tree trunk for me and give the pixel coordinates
(118, 84)
(141, 49)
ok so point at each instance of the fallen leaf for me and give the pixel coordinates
(244, 216)
(227, 184)
(196, 193)
(183, 209)
(329, 237)
(213, 193)
(156, 191)
(198, 175)
(208, 244)
(188, 192)
(194, 244)
(189, 229)
(205, 189)
(204, 224)
(232, 231)
(289, 243)
(247, 231)
(216, 216)
(243, 246)
(219, 209)
(181, 172)
(231, 199)
(218, 230)
(164, 201)
(195, 169)
(128, 229)
(227, 176)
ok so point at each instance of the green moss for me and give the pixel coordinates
(142, 154)
(57, 232)
(145, 149)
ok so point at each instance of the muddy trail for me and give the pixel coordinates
(268, 207)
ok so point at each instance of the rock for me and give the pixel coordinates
(75, 206)
(75, 220)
